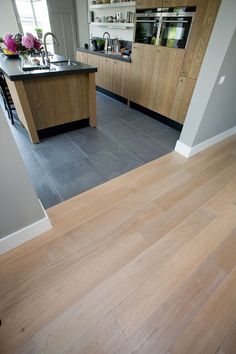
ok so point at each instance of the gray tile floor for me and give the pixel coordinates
(65, 165)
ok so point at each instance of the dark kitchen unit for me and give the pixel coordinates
(169, 27)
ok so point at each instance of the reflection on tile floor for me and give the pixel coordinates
(65, 165)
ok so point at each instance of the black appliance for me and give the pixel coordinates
(168, 27)
(147, 25)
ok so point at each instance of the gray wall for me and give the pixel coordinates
(212, 108)
(220, 113)
(82, 22)
(19, 205)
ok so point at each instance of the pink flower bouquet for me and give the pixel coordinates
(22, 45)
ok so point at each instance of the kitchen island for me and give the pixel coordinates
(47, 98)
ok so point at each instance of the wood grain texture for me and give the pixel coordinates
(144, 263)
(94, 60)
(145, 4)
(82, 57)
(23, 108)
(182, 98)
(203, 23)
(92, 100)
(58, 100)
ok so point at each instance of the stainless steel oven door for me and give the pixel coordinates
(175, 31)
(147, 27)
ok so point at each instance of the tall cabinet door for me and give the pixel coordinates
(143, 61)
(62, 21)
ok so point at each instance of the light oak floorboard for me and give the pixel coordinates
(144, 263)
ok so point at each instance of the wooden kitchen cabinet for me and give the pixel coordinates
(82, 57)
(176, 3)
(112, 75)
(106, 73)
(165, 80)
(154, 77)
(145, 4)
(94, 60)
(143, 61)
(125, 79)
(203, 23)
(182, 98)
(115, 76)
(116, 79)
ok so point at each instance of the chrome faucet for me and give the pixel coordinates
(45, 44)
(107, 40)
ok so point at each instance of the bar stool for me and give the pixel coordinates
(8, 103)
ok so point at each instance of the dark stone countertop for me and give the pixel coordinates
(117, 56)
(10, 67)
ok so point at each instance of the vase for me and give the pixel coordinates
(25, 59)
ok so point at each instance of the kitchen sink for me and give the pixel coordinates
(64, 63)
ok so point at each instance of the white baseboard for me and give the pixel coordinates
(27, 233)
(188, 151)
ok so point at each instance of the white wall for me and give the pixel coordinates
(122, 34)
(212, 108)
(19, 205)
(8, 21)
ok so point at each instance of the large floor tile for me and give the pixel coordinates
(72, 179)
(113, 163)
(58, 152)
(42, 183)
(65, 165)
(135, 141)
(91, 140)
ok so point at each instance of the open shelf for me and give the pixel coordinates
(113, 25)
(116, 4)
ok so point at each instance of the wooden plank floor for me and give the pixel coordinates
(145, 263)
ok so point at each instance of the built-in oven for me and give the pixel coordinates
(168, 27)
(147, 26)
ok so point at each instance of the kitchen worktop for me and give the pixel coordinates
(116, 56)
(11, 68)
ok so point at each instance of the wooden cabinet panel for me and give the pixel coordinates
(154, 77)
(145, 4)
(204, 20)
(182, 99)
(117, 77)
(106, 73)
(155, 3)
(176, 3)
(165, 80)
(143, 62)
(125, 79)
(82, 57)
(94, 60)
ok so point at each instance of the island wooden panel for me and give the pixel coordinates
(70, 93)
(23, 108)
